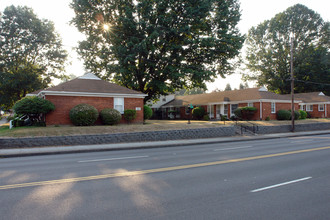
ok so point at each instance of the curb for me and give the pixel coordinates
(16, 152)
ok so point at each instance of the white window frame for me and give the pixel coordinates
(250, 104)
(301, 107)
(273, 107)
(118, 104)
(321, 109)
(309, 108)
(231, 109)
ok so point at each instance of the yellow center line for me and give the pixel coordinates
(164, 169)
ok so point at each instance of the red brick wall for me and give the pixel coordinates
(278, 106)
(63, 105)
(320, 114)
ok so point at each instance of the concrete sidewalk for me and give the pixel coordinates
(142, 145)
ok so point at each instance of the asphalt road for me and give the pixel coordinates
(287, 178)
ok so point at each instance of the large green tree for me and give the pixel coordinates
(268, 51)
(158, 46)
(31, 54)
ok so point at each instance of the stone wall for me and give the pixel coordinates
(118, 138)
(287, 128)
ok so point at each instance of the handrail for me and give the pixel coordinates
(255, 127)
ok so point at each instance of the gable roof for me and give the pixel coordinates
(311, 97)
(251, 94)
(89, 85)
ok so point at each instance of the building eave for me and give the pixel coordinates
(63, 93)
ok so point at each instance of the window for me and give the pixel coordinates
(302, 107)
(225, 110)
(250, 104)
(119, 104)
(321, 107)
(273, 107)
(233, 108)
(309, 108)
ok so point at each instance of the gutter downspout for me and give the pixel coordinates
(260, 110)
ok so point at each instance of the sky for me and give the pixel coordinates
(253, 13)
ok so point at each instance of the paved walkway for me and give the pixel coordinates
(142, 145)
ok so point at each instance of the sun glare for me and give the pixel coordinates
(106, 27)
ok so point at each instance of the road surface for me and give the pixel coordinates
(287, 178)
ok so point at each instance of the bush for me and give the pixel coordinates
(283, 115)
(296, 115)
(206, 118)
(246, 112)
(83, 115)
(238, 112)
(224, 117)
(198, 113)
(129, 115)
(267, 118)
(110, 116)
(303, 114)
(33, 108)
(147, 112)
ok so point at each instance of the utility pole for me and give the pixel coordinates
(292, 84)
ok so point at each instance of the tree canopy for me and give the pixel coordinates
(31, 54)
(157, 47)
(268, 51)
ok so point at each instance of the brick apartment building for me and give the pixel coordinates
(91, 90)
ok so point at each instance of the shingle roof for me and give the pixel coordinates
(226, 96)
(89, 84)
(311, 97)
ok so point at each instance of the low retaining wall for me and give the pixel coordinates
(287, 128)
(118, 138)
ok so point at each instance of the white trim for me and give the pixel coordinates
(89, 76)
(60, 93)
(314, 103)
(119, 101)
(308, 110)
(260, 110)
(320, 109)
(271, 108)
(258, 100)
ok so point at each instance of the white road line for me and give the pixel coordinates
(280, 184)
(118, 158)
(231, 148)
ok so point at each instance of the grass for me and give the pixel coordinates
(151, 125)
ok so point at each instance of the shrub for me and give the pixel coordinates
(206, 118)
(224, 117)
(110, 116)
(267, 118)
(147, 112)
(83, 115)
(198, 113)
(129, 115)
(33, 108)
(296, 115)
(283, 115)
(238, 112)
(303, 114)
(246, 112)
